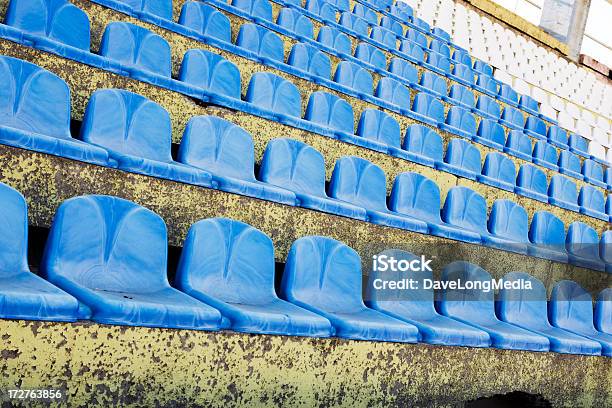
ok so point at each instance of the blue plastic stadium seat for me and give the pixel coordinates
(582, 244)
(571, 308)
(609, 205)
(562, 193)
(547, 235)
(230, 266)
(487, 84)
(268, 92)
(593, 173)
(441, 33)
(459, 94)
(332, 112)
(377, 130)
(24, 295)
(488, 107)
(295, 22)
(476, 308)
(158, 8)
(368, 53)
(545, 155)
(227, 152)
(439, 62)
(260, 10)
(137, 133)
(310, 59)
(528, 104)
(391, 91)
(322, 9)
(334, 39)
(535, 127)
(265, 44)
(422, 145)
(499, 171)
(603, 311)
(507, 94)
(206, 20)
(557, 136)
(519, 144)
(416, 307)
(111, 254)
(212, 73)
(605, 249)
(428, 109)
(366, 13)
(483, 67)
(422, 24)
(578, 145)
(463, 57)
(354, 23)
(392, 25)
(341, 5)
(324, 276)
(592, 202)
(491, 134)
(434, 83)
(508, 227)
(412, 51)
(463, 73)
(140, 52)
(51, 25)
(359, 182)
(460, 121)
(527, 308)
(294, 165)
(399, 13)
(417, 196)
(462, 158)
(354, 77)
(608, 177)
(531, 182)
(512, 118)
(569, 164)
(440, 47)
(404, 69)
(35, 113)
(384, 36)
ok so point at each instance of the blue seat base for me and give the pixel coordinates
(551, 254)
(531, 194)
(510, 337)
(396, 220)
(256, 189)
(330, 205)
(368, 324)
(451, 232)
(563, 204)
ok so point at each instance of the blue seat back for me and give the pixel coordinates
(461, 119)
(487, 82)
(359, 182)
(228, 260)
(366, 13)
(463, 57)
(592, 170)
(464, 154)
(605, 247)
(390, 90)
(323, 272)
(404, 69)
(272, 92)
(422, 140)
(563, 189)
(507, 92)
(375, 124)
(433, 82)
(310, 59)
(557, 134)
(293, 165)
(500, 167)
(255, 8)
(416, 195)
(354, 76)
(571, 307)
(603, 311)
(483, 67)
(547, 229)
(441, 33)
(592, 198)
(322, 9)
(578, 143)
(160, 8)
(513, 116)
(214, 144)
(529, 103)
(33, 99)
(464, 72)
(330, 110)
(536, 125)
(127, 123)
(487, 104)
(416, 37)
(532, 178)
(525, 307)
(465, 208)
(394, 10)
(370, 54)
(439, 47)
(261, 41)
(107, 244)
(341, 5)
(392, 25)
(545, 151)
(295, 22)
(439, 61)
(422, 24)
(582, 240)
(462, 94)
(412, 49)
(353, 22)
(472, 305)
(13, 232)
(384, 36)
(334, 39)
(509, 220)
(488, 129)
(520, 142)
(427, 105)
(569, 161)
(136, 47)
(206, 20)
(212, 72)
(58, 20)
